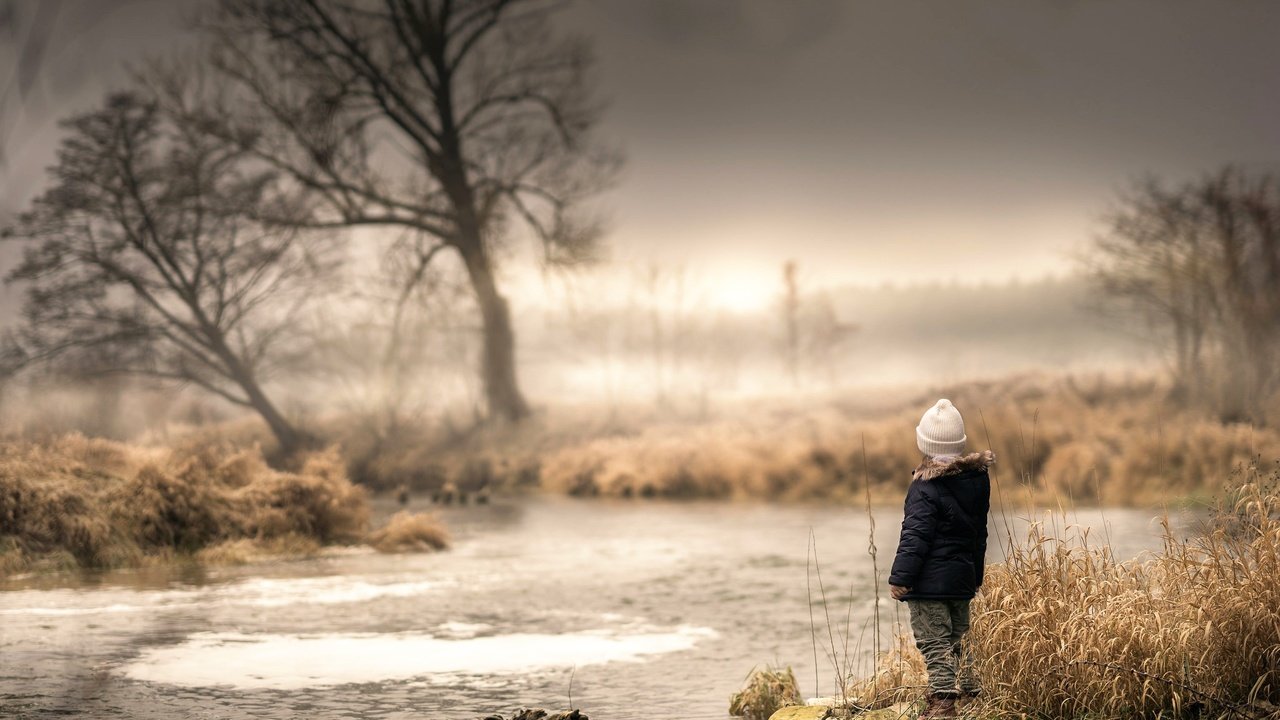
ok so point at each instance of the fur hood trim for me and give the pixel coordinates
(931, 469)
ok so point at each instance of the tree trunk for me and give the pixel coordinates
(285, 433)
(498, 358)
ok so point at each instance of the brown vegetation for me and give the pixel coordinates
(1058, 441)
(899, 678)
(765, 690)
(1063, 630)
(410, 532)
(78, 502)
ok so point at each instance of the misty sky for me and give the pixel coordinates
(894, 141)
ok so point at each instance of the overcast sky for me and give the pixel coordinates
(896, 140)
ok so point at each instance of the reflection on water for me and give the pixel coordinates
(649, 609)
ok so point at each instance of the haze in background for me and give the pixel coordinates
(906, 144)
(875, 140)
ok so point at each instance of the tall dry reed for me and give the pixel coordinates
(1063, 630)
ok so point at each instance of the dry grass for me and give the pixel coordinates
(899, 677)
(243, 551)
(1063, 630)
(77, 502)
(410, 532)
(1060, 442)
(765, 690)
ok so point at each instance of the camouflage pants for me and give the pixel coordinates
(939, 627)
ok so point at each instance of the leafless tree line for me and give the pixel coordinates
(1201, 261)
(670, 340)
(194, 215)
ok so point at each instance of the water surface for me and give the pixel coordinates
(640, 610)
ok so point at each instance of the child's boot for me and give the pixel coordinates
(940, 707)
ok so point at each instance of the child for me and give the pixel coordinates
(940, 559)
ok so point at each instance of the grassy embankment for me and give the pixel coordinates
(77, 502)
(1063, 630)
(1059, 441)
(73, 501)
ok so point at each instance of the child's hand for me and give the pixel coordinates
(897, 591)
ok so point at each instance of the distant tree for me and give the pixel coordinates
(376, 337)
(457, 118)
(826, 336)
(671, 316)
(141, 261)
(791, 319)
(1201, 262)
(814, 334)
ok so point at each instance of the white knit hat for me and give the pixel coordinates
(941, 430)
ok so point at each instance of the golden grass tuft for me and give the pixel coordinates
(76, 502)
(243, 551)
(765, 690)
(410, 532)
(899, 677)
(1063, 630)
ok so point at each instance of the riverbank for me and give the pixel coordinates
(207, 495)
(1061, 441)
(75, 502)
(1066, 628)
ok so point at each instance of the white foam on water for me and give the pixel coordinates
(322, 591)
(298, 661)
(260, 592)
(462, 630)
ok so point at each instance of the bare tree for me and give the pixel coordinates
(791, 319)
(1202, 263)
(457, 118)
(141, 261)
(815, 337)
(378, 338)
(669, 313)
(827, 338)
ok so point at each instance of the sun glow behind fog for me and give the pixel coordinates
(740, 292)
(680, 290)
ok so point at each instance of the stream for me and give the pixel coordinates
(636, 609)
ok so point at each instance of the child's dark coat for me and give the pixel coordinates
(941, 554)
